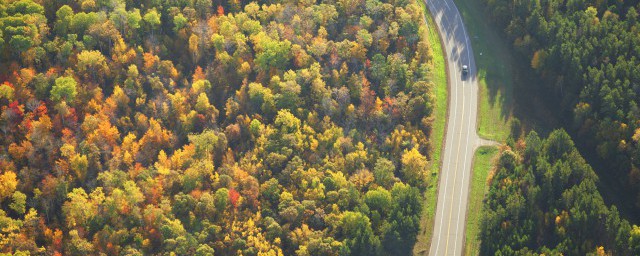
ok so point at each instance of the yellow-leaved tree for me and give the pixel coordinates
(8, 184)
(414, 167)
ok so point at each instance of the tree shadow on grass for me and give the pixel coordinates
(511, 83)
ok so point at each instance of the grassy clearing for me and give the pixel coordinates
(482, 164)
(437, 137)
(495, 63)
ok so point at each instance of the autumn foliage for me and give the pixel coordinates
(202, 127)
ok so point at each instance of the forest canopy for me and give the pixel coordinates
(587, 53)
(543, 199)
(201, 127)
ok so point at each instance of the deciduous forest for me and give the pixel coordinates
(197, 127)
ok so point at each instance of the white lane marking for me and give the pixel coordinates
(466, 145)
(464, 171)
(455, 177)
(444, 203)
(466, 151)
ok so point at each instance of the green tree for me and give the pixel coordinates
(64, 89)
(80, 22)
(92, 64)
(360, 239)
(6, 91)
(221, 199)
(274, 54)
(384, 172)
(18, 202)
(23, 25)
(204, 250)
(64, 16)
(77, 210)
(379, 203)
(152, 19)
(79, 245)
(179, 22)
(634, 240)
(208, 142)
(262, 98)
(404, 219)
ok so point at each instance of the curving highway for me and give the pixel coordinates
(461, 138)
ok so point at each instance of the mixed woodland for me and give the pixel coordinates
(199, 127)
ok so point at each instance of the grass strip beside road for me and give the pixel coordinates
(496, 65)
(482, 165)
(423, 240)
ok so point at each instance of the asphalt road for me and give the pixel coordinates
(461, 138)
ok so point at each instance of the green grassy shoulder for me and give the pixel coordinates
(482, 164)
(437, 137)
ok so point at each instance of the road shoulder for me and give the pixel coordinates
(438, 137)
